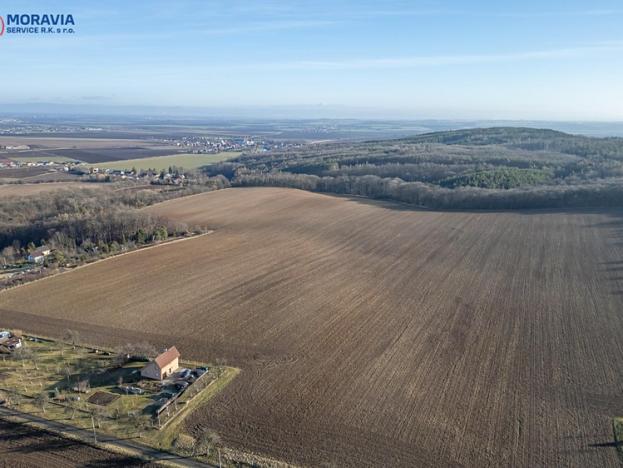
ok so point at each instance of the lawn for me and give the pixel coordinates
(617, 426)
(42, 379)
(53, 369)
(187, 161)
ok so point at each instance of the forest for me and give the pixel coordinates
(495, 168)
(80, 224)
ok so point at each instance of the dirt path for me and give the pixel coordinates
(104, 442)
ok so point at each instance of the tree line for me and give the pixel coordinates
(79, 224)
(605, 194)
(499, 168)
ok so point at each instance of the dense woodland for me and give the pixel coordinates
(497, 168)
(80, 224)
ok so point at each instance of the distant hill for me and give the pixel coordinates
(485, 168)
(526, 138)
(488, 136)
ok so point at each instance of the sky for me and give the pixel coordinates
(543, 60)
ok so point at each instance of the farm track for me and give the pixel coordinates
(373, 335)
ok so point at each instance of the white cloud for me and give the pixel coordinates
(441, 60)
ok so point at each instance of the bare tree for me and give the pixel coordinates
(98, 415)
(23, 354)
(217, 443)
(72, 336)
(220, 363)
(70, 409)
(41, 400)
(210, 440)
(137, 422)
(134, 351)
(186, 444)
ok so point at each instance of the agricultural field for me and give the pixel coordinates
(187, 161)
(23, 172)
(23, 446)
(44, 157)
(90, 150)
(372, 334)
(20, 190)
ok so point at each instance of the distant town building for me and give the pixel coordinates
(163, 365)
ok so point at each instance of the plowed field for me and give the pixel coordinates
(25, 447)
(369, 334)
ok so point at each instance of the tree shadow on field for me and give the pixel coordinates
(114, 462)
(613, 269)
(29, 440)
(53, 444)
(613, 443)
(397, 205)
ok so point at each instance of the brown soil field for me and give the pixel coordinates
(22, 172)
(70, 142)
(370, 334)
(90, 150)
(22, 446)
(18, 190)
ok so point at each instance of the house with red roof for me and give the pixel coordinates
(163, 365)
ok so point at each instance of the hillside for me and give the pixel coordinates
(495, 168)
(373, 335)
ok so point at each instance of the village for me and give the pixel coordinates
(65, 166)
(24, 156)
(133, 391)
(95, 174)
(172, 176)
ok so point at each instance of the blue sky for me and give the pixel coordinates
(408, 59)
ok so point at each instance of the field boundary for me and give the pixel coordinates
(121, 447)
(110, 257)
(617, 430)
(187, 197)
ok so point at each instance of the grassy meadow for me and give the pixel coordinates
(187, 161)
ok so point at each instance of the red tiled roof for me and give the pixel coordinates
(167, 357)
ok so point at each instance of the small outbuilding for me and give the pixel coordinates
(38, 255)
(163, 365)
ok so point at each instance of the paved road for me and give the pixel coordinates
(87, 436)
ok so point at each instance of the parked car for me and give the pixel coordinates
(199, 371)
(184, 374)
(181, 386)
(131, 389)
